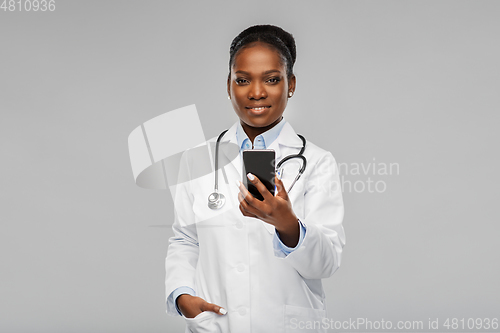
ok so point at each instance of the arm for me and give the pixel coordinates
(319, 255)
(182, 255)
(280, 248)
(178, 292)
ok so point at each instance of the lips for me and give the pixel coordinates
(258, 108)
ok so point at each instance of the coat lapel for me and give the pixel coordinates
(230, 157)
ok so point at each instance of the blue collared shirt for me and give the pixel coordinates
(262, 140)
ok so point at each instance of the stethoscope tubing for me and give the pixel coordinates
(216, 200)
(216, 188)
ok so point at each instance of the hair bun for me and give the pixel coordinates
(285, 37)
(271, 34)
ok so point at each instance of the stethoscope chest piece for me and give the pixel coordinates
(216, 200)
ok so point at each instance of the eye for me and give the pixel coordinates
(240, 81)
(274, 80)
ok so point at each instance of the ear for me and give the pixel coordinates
(292, 83)
(229, 84)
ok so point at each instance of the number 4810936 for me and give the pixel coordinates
(28, 5)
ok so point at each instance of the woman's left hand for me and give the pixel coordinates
(276, 210)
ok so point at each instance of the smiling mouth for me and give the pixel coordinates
(259, 108)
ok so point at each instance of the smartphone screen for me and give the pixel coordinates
(261, 163)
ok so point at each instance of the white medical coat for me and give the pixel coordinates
(230, 259)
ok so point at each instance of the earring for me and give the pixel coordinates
(228, 97)
(290, 94)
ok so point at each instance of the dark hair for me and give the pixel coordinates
(276, 37)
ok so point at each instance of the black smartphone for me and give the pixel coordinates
(260, 163)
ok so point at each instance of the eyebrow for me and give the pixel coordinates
(264, 73)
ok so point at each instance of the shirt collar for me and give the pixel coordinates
(268, 136)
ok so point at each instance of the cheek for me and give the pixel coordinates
(239, 102)
(279, 91)
(238, 91)
(280, 95)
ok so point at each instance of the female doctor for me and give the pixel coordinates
(251, 265)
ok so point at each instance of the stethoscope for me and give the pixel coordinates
(216, 200)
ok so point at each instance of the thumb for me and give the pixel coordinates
(215, 308)
(280, 188)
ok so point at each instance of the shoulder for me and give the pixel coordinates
(205, 151)
(313, 153)
(322, 174)
(316, 154)
(228, 134)
(290, 137)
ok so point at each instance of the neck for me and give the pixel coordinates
(253, 132)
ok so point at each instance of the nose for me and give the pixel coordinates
(257, 91)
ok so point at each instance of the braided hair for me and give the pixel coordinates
(272, 35)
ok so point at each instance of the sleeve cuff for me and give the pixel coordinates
(280, 249)
(179, 291)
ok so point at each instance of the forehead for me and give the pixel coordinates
(258, 57)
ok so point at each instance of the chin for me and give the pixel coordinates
(258, 122)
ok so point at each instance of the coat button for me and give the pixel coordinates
(240, 268)
(242, 311)
(239, 225)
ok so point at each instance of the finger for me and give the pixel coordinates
(246, 208)
(247, 196)
(244, 212)
(215, 308)
(243, 190)
(251, 205)
(261, 187)
(240, 198)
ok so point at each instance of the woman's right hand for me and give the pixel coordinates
(191, 306)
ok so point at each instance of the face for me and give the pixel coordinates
(258, 86)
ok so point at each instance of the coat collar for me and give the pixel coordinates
(287, 137)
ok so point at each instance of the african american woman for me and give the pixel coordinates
(257, 266)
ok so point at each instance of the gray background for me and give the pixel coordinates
(410, 82)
